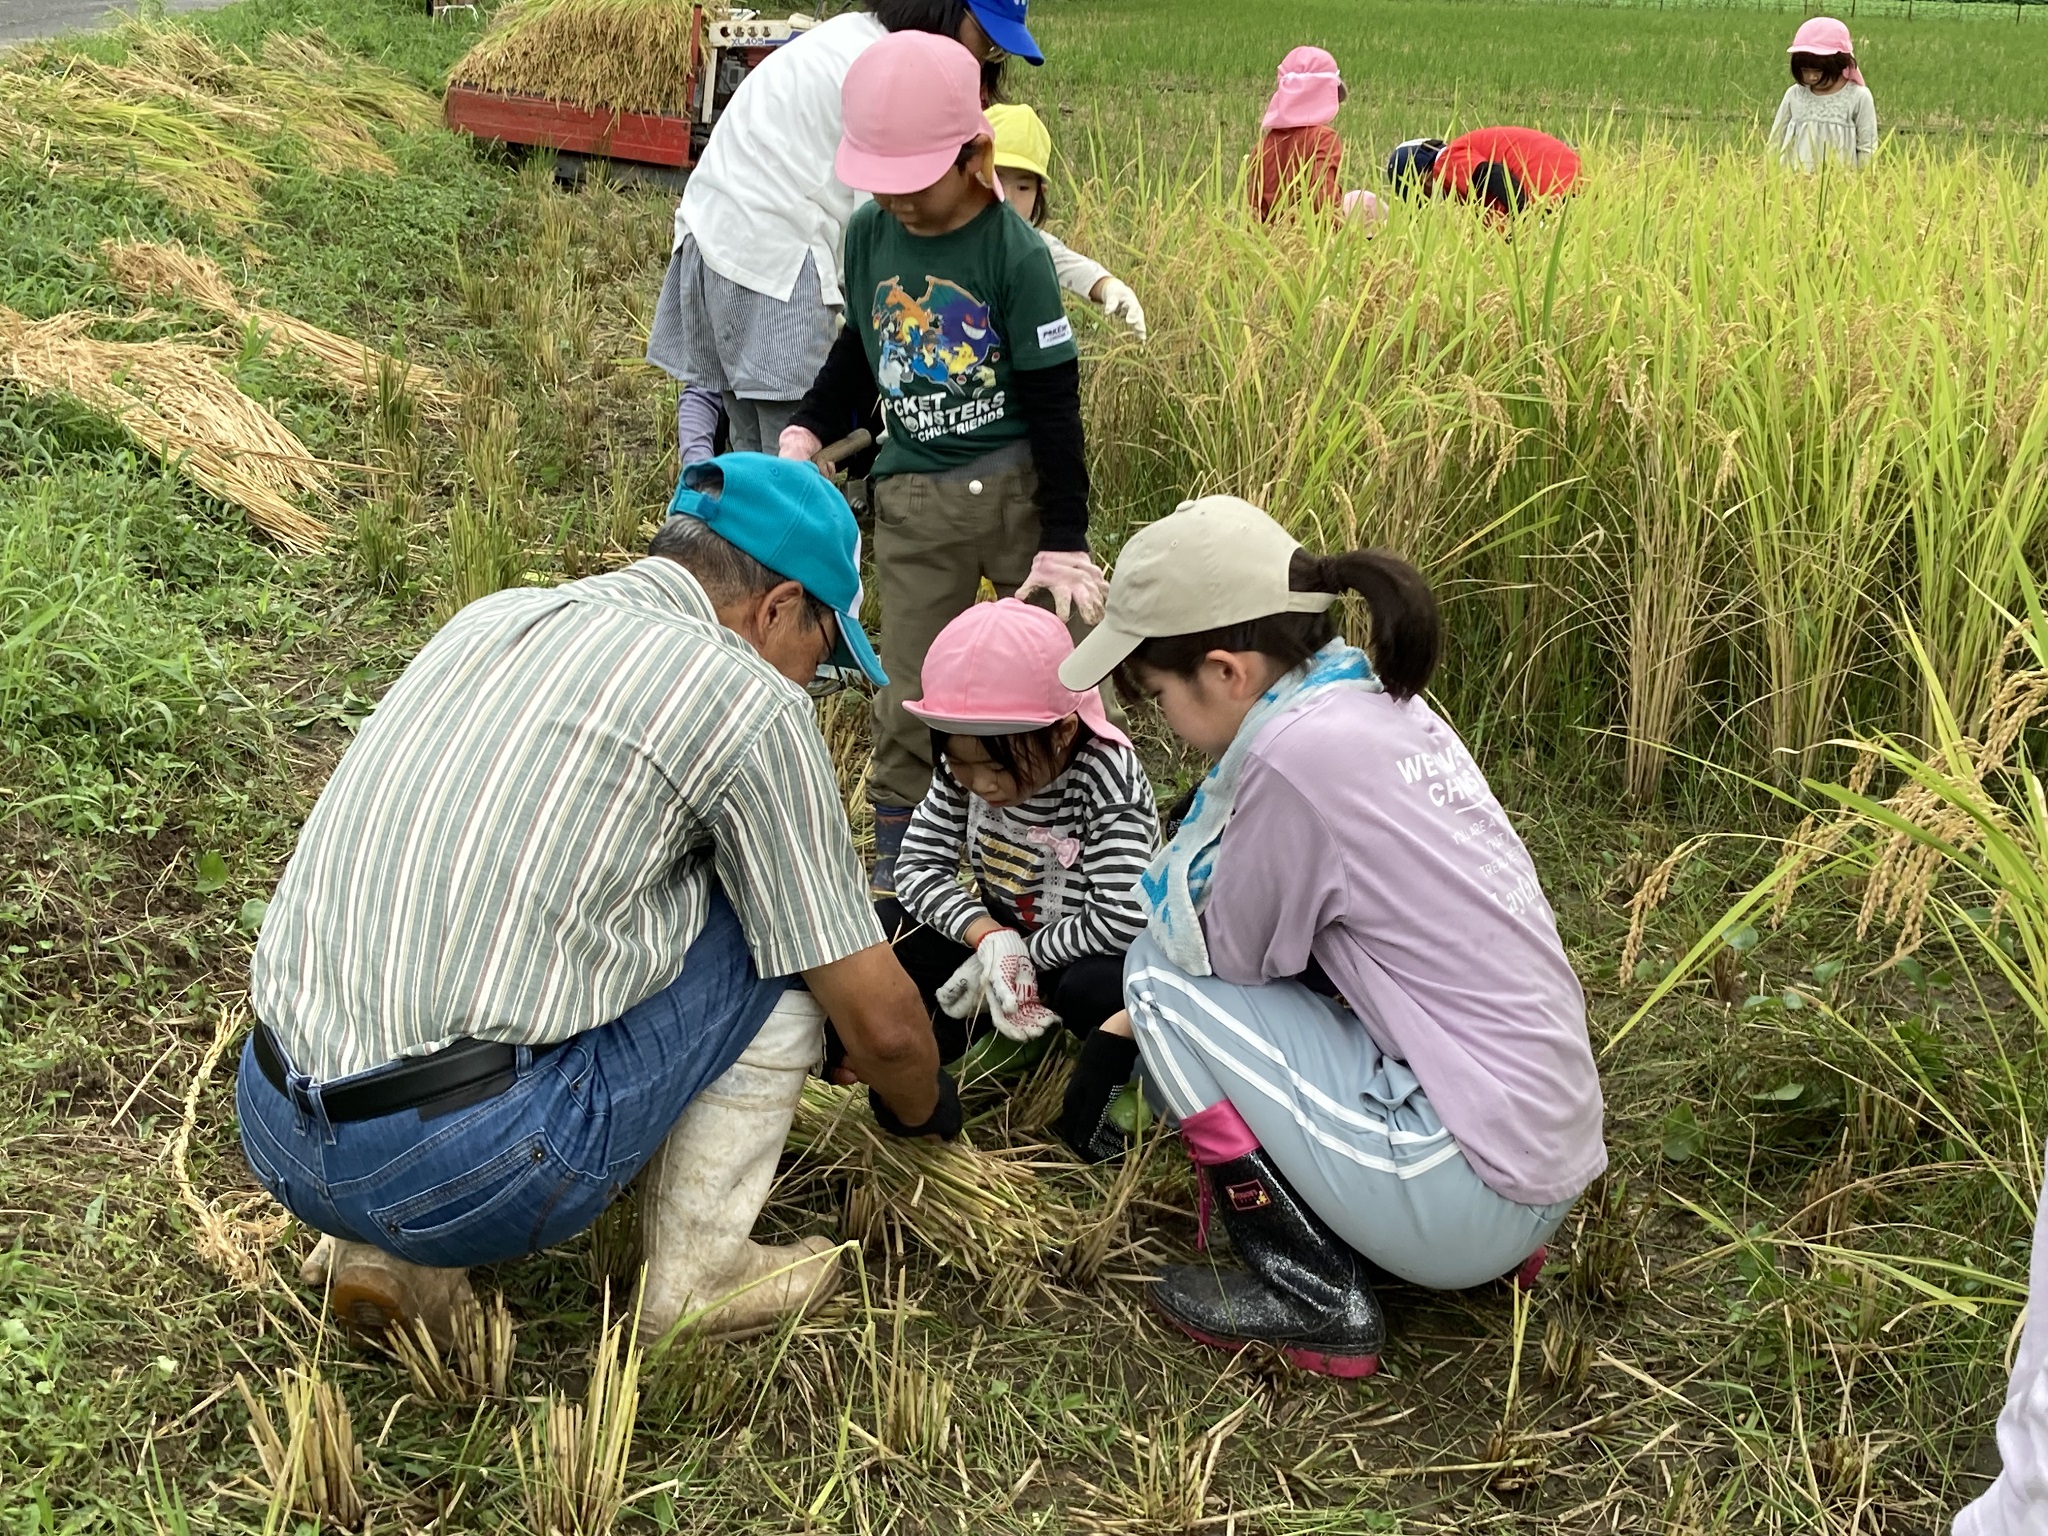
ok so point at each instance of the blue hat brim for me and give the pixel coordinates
(855, 650)
(1013, 37)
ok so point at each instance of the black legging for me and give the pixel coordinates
(1082, 993)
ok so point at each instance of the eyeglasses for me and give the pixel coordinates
(829, 679)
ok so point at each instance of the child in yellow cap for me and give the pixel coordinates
(1023, 153)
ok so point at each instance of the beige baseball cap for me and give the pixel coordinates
(1216, 561)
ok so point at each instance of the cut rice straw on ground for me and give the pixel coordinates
(628, 55)
(171, 398)
(981, 1210)
(76, 128)
(144, 271)
(188, 120)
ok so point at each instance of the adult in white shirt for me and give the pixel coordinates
(2017, 1503)
(748, 307)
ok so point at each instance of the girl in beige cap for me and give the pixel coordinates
(1350, 993)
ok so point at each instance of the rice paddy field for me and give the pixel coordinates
(1736, 488)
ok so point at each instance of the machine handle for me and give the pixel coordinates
(834, 454)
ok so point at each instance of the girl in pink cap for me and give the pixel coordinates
(1300, 155)
(955, 325)
(1828, 115)
(1045, 802)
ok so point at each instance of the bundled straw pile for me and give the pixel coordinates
(172, 399)
(624, 55)
(142, 271)
(985, 1211)
(189, 120)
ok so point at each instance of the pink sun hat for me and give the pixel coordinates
(1823, 35)
(909, 103)
(995, 670)
(1306, 93)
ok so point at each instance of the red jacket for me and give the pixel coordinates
(1297, 163)
(1541, 165)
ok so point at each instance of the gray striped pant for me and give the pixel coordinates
(1348, 1125)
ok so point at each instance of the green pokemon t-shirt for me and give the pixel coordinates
(947, 320)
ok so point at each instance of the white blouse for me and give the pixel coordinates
(765, 192)
(1812, 130)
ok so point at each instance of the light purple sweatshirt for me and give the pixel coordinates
(2017, 1504)
(1365, 836)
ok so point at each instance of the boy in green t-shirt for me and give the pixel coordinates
(954, 321)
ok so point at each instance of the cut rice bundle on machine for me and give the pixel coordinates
(603, 55)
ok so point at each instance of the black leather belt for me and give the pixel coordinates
(455, 1077)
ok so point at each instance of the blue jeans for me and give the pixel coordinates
(535, 1165)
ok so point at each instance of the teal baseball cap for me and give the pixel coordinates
(788, 516)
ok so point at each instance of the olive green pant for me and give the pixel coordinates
(936, 537)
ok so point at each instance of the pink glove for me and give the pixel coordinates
(1072, 579)
(798, 443)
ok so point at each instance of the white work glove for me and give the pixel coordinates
(960, 994)
(1072, 580)
(798, 443)
(1000, 974)
(1116, 299)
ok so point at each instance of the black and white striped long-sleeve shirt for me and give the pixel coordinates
(1066, 862)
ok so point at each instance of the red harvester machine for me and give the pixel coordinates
(722, 52)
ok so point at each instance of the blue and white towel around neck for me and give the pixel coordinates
(1176, 883)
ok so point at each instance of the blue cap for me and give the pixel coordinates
(788, 516)
(1003, 21)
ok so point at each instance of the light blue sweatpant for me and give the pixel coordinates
(1348, 1125)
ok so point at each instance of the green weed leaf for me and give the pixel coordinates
(213, 874)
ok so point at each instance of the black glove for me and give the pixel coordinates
(944, 1122)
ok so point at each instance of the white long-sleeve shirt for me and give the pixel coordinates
(1811, 130)
(765, 193)
(2017, 1504)
(1077, 273)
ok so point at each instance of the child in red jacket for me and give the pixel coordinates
(1300, 155)
(1504, 168)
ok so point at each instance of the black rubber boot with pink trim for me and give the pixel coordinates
(1303, 1289)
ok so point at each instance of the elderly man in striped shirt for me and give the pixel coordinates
(545, 926)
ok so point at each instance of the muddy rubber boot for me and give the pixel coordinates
(370, 1291)
(707, 1183)
(1303, 1289)
(891, 822)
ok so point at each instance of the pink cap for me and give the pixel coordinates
(1823, 35)
(909, 103)
(1306, 93)
(995, 670)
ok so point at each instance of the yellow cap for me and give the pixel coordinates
(1022, 142)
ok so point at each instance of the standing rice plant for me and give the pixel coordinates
(1677, 454)
(313, 1464)
(572, 1461)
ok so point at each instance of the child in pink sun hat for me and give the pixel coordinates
(955, 323)
(1300, 155)
(1828, 116)
(1044, 801)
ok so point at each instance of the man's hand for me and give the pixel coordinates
(944, 1122)
(882, 1023)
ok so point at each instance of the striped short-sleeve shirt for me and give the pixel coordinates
(520, 843)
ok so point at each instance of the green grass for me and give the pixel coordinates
(1727, 1343)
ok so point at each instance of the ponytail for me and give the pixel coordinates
(1404, 642)
(1406, 637)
